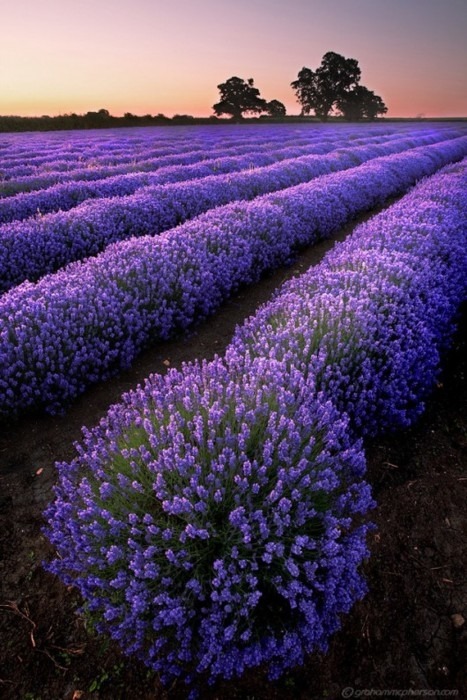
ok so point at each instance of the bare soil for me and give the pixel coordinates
(410, 631)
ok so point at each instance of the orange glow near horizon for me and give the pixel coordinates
(145, 57)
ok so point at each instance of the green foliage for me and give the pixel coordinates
(98, 682)
(276, 109)
(361, 103)
(335, 84)
(238, 96)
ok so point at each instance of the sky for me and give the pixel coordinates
(168, 56)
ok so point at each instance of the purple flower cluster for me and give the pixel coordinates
(91, 319)
(23, 179)
(66, 195)
(131, 165)
(89, 166)
(369, 323)
(101, 155)
(210, 520)
(30, 249)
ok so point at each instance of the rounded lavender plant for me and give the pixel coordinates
(209, 521)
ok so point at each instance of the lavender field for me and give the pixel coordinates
(216, 521)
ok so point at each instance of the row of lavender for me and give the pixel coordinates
(115, 141)
(23, 177)
(129, 159)
(207, 149)
(88, 321)
(66, 195)
(209, 521)
(110, 146)
(41, 148)
(35, 247)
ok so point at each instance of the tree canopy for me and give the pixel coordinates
(275, 108)
(360, 103)
(335, 85)
(238, 96)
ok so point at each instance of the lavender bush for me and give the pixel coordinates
(30, 249)
(98, 165)
(86, 322)
(209, 521)
(66, 195)
(100, 155)
(369, 323)
(71, 192)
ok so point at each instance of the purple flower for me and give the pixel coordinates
(226, 584)
(90, 320)
(213, 520)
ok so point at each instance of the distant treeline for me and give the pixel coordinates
(102, 119)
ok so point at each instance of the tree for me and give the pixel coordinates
(102, 114)
(319, 90)
(335, 84)
(306, 90)
(361, 103)
(239, 96)
(335, 75)
(275, 108)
